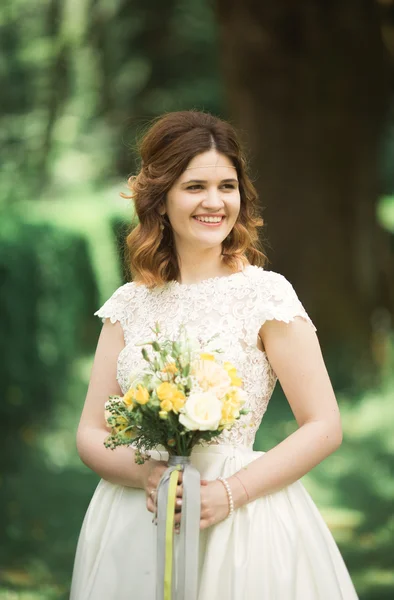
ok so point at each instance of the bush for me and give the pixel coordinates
(47, 298)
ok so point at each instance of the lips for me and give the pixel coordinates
(195, 216)
(210, 224)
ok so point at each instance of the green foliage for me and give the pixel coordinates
(120, 229)
(386, 213)
(82, 79)
(353, 488)
(47, 292)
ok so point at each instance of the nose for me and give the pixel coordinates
(212, 199)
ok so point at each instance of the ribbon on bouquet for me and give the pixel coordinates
(178, 581)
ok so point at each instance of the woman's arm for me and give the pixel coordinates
(295, 355)
(116, 466)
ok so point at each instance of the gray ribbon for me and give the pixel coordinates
(185, 572)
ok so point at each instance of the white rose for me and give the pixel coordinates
(202, 411)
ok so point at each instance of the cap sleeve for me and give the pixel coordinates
(280, 301)
(119, 306)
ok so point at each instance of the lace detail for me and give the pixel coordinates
(233, 307)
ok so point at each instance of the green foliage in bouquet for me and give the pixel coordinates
(183, 396)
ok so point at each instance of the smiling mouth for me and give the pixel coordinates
(210, 223)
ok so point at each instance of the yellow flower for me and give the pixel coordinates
(166, 405)
(163, 414)
(141, 394)
(230, 412)
(236, 381)
(178, 403)
(206, 356)
(128, 398)
(232, 373)
(170, 368)
(233, 401)
(237, 396)
(173, 400)
(128, 435)
(119, 423)
(171, 397)
(166, 391)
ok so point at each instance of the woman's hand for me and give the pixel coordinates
(153, 474)
(214, 503)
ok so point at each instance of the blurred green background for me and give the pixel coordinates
(310, 87)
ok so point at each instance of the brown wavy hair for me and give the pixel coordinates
(166, 149)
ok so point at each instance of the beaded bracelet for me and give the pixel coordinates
(229, 494)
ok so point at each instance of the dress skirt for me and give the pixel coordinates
(275, 548)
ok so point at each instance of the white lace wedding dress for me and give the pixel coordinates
(275, 548)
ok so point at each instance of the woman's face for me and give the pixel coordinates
(207, 188)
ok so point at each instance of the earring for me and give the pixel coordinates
(161, 228)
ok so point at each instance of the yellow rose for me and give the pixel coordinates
(141, 394)
(206, 356)
(166, 405)
(178, 403)
(174, 402)
(166, 391)
(128, 398)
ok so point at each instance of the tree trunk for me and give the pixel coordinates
(308, 85)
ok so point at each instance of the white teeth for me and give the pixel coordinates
(209, 219)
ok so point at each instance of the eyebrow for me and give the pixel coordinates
(205, 181)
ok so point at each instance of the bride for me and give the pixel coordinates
(194, 258)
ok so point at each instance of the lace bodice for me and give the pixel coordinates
(233, 307)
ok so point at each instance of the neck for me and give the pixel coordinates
(195, 267)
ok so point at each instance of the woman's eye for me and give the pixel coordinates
(228, 186)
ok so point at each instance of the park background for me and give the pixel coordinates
(310, 87)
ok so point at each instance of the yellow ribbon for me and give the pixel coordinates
(170, 532)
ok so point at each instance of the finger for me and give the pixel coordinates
(180, 477)
(150, 506)
(179, 491)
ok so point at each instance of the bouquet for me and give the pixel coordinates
(183, 397)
